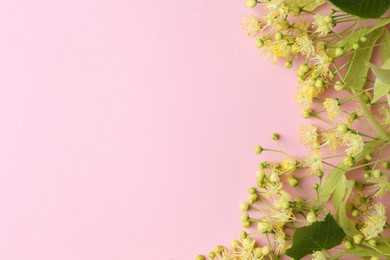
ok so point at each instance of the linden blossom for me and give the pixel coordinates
(348, 161)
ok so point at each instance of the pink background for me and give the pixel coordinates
(128, 127)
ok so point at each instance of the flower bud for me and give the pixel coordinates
(275, 137)
(376, 174)
(266, 250)
(311, 217)
(347, 244)
(258, 149)
(251, 3)
(339, 51)
(244, 206)
(212, 255)
(307, 113)
(357, 239)
(342, 129)
(292, 181)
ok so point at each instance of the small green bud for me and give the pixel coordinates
(259, 42)
(329, 19)
(357, 239)
(292, 181)
(347, 244)
(252, 199)
(355, 46)
(258, 149)
(311, 217)
(385, 165)
(218, 249)
(348, 160)
(372, 242)
(355, 213)
(244, 234)
(320, 174)
(244, 216)
(374, 258)
(331, 74)
(319, 83)
(332, 11)
(200, 257)
(363, 200)
(342, 129)
(275, 136)
(367, 176)
(244, 206)
(278, 36)
(307, 113)
(363, 39)
(212, 255)
(369, 156)
(376, 174)
(266, 250)
(251, 3)
(288, 64)
(303, 67)
(252, 190)
(246, 224)
(339, 86)
(339, 51)
(234, 244)
(316, 186)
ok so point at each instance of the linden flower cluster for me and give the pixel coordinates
(346, 136)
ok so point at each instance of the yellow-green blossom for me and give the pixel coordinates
(332, 107)
(308, 135)
(250, 24)
(374, 221)
(354, 143)
(324, 24)
(314, 162)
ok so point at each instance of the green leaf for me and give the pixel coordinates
(318, 236)
(381, 88)
(363, 8)
(339, 201)
(357, 72)
(385, 46)
(335, 176)
(309, 5)
(380, 73)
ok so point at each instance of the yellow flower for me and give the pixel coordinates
(385, 112)
(276, 8)
(354, 143)
(289, 165)
(308, 135)
(332, 106)
(331, 141)
(318, 255)
(374, 221)
(324, 24)
(314, 162)
(382, 184)
(305, 45)
(250, 25)
(245, 247)
(321, 64)
(304, 96)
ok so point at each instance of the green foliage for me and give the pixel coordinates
(318, 236)
(385, 46)
(381, 88)
(357, 72)
(339, 201)
(363, 8)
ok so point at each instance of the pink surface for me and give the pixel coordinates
(127, 127)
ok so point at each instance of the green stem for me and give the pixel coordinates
(371, 120)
